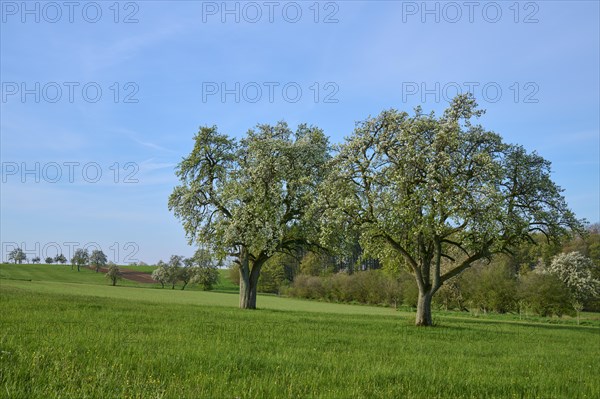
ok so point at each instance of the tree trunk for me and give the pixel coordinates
(424, 309)
(248, 281)
(247, 287)
(247, 293)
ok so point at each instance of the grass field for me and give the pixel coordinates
(59, 273)
(63, 273)
(81, 339)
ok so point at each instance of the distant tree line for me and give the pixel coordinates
(540, 278)
(201, 269)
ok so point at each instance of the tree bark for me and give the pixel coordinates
(249, 273)
(248, 293)
(424, 309)
(244, 279)
(247, 299)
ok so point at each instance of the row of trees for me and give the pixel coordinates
(562, 288)
(498, 286)
(200, 269)
(433, 195)
(59, 258)
(97, 259)
(81, 257)
(17, 255)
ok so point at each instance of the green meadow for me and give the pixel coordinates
(65, 334)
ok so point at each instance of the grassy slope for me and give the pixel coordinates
(83, 340)
(168, 296)
(63, 273)
(58, 273)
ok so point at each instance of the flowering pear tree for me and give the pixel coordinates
(98, 259)
(80, 258)
(17, 255)
(114, 274)
(575, 271)
(161, 273)
(250, 198)
(438, 194)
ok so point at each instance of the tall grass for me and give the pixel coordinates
(118, 342)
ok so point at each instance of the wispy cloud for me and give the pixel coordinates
(136, 138)
(95, 58)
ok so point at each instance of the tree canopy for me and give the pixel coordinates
(80, 258)
(251, 198)
(434, 194)
(439, 193)
(17, 255)
(97, 259)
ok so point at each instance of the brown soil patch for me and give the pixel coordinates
(132, 275)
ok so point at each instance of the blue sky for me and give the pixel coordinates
(100, 102)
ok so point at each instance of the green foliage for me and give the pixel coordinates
(207, 277)
(98, 259)
(278, 273)
(161, 273)
(250, 198)
(543, 294)
(368, 287)
(173, 270)
(203, 269)
(489, 288)
(530, 255)
(185, 275)
(575, 271)
(316, 264)
(80, 258)
(60, 258)
(49, 260)
(450, 295)
(588, 245)
(17, 255)
(439, 194)
(272, 275)
(114, 274)
(233, 273)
